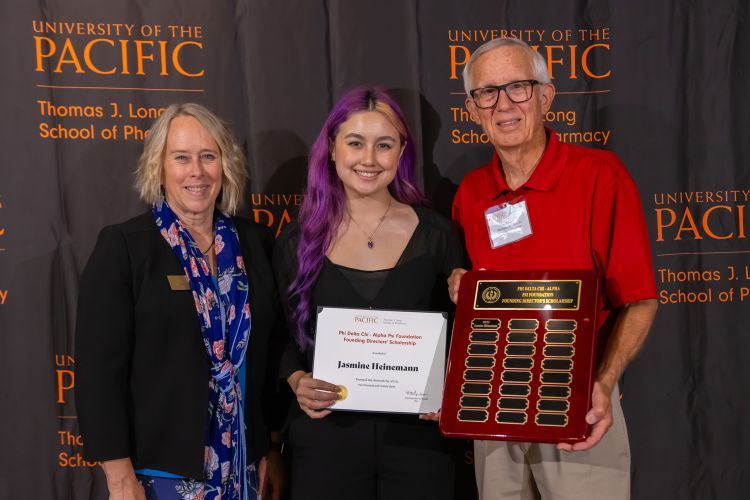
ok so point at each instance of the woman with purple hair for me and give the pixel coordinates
(364, 239)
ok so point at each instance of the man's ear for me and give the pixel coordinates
(548, 95)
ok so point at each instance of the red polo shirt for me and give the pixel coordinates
(585, 213)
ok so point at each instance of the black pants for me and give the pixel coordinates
(363, 456)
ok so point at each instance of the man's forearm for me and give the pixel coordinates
(628, 335)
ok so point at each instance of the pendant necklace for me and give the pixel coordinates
(208, 255)
(205, 252)
(370, 242)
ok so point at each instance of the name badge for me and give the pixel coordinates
(178, 282)
(507, 223)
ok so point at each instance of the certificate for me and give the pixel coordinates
(384, 361)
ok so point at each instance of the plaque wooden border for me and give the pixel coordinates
(537, 376)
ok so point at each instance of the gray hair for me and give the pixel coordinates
(538, 64)
(151, 163)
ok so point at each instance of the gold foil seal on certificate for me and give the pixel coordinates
(343, 392)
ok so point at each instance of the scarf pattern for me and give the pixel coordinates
(224, 317)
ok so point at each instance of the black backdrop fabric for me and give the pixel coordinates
(661, 83)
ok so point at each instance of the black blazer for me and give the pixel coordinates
(142, 371)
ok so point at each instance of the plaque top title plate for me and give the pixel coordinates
(530, 294)
(522, 356)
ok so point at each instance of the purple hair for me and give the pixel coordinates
(324, 203)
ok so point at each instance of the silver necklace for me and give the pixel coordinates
(370, 242)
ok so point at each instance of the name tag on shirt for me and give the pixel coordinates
(178, 282)
(507, 223)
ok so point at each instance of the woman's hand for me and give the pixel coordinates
(314, 396)
(272, 476)
(433, 416)
(121, 481)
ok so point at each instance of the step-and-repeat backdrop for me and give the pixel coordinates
(662, 83)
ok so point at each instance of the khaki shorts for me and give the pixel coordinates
(525, 471)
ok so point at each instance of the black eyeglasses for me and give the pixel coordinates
(518, 91)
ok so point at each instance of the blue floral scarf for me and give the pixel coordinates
(224, 316)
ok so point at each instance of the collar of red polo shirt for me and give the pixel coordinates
(545, 176)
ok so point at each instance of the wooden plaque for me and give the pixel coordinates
(522, 354)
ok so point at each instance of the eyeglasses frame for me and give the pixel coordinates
(503, 88)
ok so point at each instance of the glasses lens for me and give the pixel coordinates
(485, 97)
(519, 91)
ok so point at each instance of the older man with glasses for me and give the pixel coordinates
(572, 208)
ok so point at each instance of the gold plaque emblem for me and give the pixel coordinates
(491, 294)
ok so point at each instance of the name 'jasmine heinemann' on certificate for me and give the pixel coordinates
(383, 361)
(378, 366)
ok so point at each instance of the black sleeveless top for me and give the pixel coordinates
(416, 283)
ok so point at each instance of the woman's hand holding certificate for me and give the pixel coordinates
(314, 396)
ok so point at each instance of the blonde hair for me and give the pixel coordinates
(390, 114)
(148, 174)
